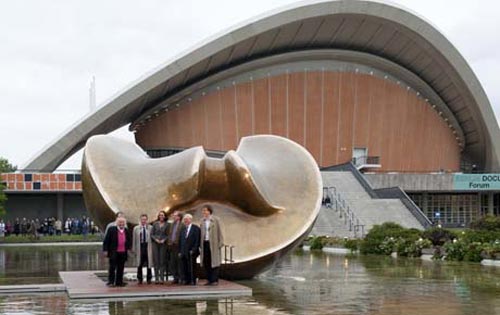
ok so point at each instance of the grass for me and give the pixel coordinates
(12, 239)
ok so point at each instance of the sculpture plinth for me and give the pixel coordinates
(267, 193)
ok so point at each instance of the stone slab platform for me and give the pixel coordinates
(88, 285)
(31, 288)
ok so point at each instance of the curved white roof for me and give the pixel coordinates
(374, 28)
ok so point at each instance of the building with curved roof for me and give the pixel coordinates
(358, 81)
(333, 76)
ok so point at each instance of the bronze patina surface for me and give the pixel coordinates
(267, 193)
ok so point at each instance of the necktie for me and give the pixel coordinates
(174, 230)
(144, 234)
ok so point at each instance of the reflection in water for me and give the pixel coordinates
(302, 283)
(25, 265)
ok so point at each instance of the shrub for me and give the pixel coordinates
(492, 250)
(481, 236)
(352, 244)
(488, 223)
(438, 236)
(455, 250)
(411, 247)
(382, 239)
(473, 252)
(316, 243)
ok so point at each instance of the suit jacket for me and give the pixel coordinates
(136, 244)
(177, 233)
(110, 243)
(191, 242)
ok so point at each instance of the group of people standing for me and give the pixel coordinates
(48, 226)
(171, 248)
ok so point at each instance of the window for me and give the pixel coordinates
(28, 177)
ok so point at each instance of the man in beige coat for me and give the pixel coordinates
(142, 248)
(211, 242)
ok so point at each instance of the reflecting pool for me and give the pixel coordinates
(303, 283)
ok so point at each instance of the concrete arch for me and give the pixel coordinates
(369, 27)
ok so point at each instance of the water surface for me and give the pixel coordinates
(303, 283)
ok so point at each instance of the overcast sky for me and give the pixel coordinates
(49, 51)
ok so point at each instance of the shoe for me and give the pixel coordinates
(215, 283)
(149, 281)
(122, 284)
(139, 282)
(208, 283)
(110, 285)
(176, 281)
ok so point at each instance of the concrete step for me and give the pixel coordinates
(378, 211)
(329, 223)
(368, 210)
(346, 185)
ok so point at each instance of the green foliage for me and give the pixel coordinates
(316, 243)
(3, 199)
(486, 223)
(455, 250)
(352, 244)
(474, 245)
(480, 236)
(474, 252)
(492, 250)
(6, 167)
(411, 247)
(383, 239)
(463, 250)
(438, 236)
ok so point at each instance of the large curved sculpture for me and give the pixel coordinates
(267, 193)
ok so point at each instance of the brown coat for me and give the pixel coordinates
(216, 240)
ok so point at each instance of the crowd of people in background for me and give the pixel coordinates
(48, 226)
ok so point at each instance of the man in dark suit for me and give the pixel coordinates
(174, 235)
(117, 242)
(189, 250)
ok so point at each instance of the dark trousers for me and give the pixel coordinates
(144, 263)
(212, 273)
(188, 263)
(174, 264)
(116, 266)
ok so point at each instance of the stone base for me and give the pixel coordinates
(89, 285)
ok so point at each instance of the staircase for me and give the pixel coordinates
(356, 207)
(329, 223)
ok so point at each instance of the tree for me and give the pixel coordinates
(3, 199)
(6, 167)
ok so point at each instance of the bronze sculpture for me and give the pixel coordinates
(267, 193)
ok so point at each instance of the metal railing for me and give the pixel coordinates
(366, 160)
(398, 193)
(227, 260)
(339, 204)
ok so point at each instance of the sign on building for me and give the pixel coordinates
(476, 181)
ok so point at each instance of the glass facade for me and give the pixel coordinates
(453, 209)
